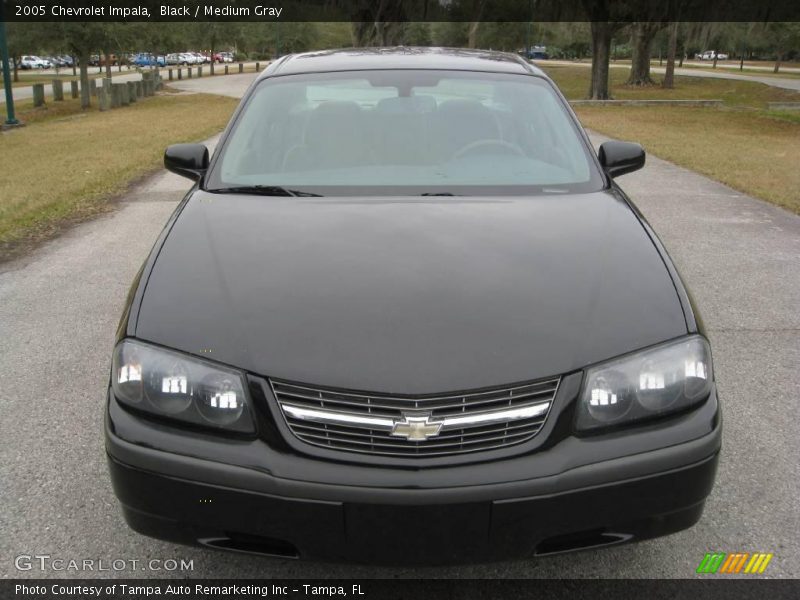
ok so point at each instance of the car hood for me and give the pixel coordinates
(413, 296)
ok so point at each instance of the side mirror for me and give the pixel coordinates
(618, 158)
(188, 160)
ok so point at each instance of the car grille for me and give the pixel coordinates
(434, 425)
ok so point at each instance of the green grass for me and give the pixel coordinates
(752, 151)
(574, 82)
(66, 164)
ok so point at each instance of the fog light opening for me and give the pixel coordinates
(252, 544)
(584, 540)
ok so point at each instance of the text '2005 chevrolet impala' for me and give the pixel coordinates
(405, 314)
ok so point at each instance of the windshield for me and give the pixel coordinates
(406, 132)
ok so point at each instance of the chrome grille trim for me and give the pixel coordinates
(462, 422)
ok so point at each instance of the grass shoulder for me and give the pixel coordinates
(67, 164)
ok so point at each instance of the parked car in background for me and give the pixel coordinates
(148, 60)
(33, 62)
(201, 58)
(711, 55)
(223, 57)
(187, 58)
(173, 59)
(534, 53)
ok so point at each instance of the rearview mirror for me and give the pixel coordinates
(618, 158)
(188, 160)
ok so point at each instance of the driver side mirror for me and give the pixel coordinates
(187, 160)
(618, 158)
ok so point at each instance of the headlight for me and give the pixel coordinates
(177, 386)
(647, 384)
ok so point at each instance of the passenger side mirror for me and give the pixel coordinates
(187, 160)
(618, 158)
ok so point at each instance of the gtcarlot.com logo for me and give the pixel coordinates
(735, 563)
(46, 562)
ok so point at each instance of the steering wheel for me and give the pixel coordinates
(472, 146)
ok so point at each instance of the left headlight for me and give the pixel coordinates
(177, 386)
(650, 383)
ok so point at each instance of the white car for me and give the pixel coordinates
(188, 58)
(33, 62)
(712, 54)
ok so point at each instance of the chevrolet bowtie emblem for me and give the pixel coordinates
(416, 428)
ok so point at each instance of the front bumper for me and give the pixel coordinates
(574, 496)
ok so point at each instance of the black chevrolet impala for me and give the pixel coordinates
(406, 314)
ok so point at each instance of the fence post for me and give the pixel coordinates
(116, 101)
(241, 67)
(139, 89)
(93, 87)
(189, 72)
(107, 87)
(124, 99)
(226, 69)
(258, 66)
(102, 99)
(131, 91)
(73, 88)
(200, 71)
(38, 94)
(58, 90)
(169, 71)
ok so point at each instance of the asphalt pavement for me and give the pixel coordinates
(59, 309)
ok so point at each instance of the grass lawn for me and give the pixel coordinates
(574, 82)
(66, 164)
(751, 151)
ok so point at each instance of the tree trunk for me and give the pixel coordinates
(472, 38)
(74, 67)
(672, 47)
(641, 41)
(107, 55)
(601, 46)
(778, 60)
(86, 96)
(212, 58)
(714, 66)
(15, 64)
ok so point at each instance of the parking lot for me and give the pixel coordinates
(59, 309)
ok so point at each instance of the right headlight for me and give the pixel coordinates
(649, 383)
(176, 386)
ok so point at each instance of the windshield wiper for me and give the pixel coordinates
(262, 190)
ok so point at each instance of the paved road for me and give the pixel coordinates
(59, 309)
(779, 82)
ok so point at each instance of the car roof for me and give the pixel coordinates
(401, 57)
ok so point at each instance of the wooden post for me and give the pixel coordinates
(140, 88)
(103, 99)
(93, 87)
(189, 72)
(226, 69)
(169, 72)
(200, 71)
(124, 99)
(107, 87)
(131, 91)
(241, 67)
(38, 94)
(258, 66)
(115, 97)
(58, 90)
(73, 88)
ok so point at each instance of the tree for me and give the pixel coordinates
(672, 46)
(603, 29)
(82, 38)
(642, 35)
(785, 38)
